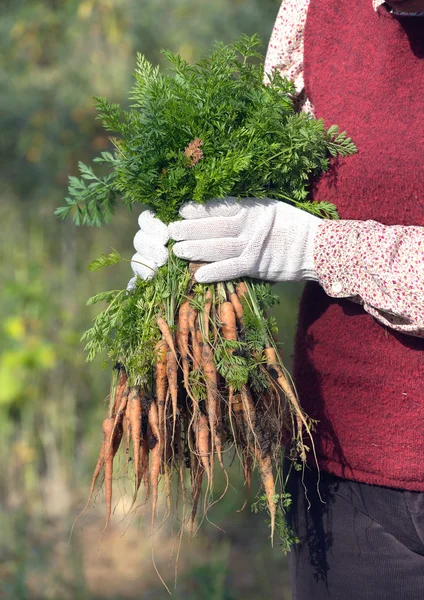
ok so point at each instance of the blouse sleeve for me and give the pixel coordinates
(380, 266)
(285, 48)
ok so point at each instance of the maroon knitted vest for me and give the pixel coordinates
(364, 70)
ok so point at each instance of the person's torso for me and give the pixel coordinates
(364, 71)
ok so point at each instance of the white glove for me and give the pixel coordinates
(150, 243)
(263, 239)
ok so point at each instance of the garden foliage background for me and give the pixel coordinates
(55, 55)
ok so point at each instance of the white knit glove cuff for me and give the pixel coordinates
(301, 264)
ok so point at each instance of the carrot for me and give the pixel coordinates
(183, 333)
(172, 373)
(229, 331)
(167, 335)
(127, 429)
(249, 414)
(207, 311)
(238, 308)
(236, 406)
(263, 458)
(213, 407)
(119, 411)
(119, 392)
(272, 362)
(202, 441)
(197, 361)
(154, 422)
(197, 349)
(243, 406)
(196, 489)
(181, 428)
(134, 416)
(241, 289)
(113, 435)
(228, 321)
(99, 465)
(268, 482)
(161, 353)
(155, 461)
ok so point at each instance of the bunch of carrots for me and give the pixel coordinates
(194, 414)
(199, 378)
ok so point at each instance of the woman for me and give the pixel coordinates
(359, 360)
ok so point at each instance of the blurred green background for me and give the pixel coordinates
(55, 55)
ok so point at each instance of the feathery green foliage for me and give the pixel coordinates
(203, 131)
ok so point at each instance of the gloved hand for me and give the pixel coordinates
(150, 243)
(263, 239)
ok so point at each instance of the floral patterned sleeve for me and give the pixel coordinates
(380, 266)
(285, 48)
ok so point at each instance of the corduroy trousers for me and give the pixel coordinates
(357, 541)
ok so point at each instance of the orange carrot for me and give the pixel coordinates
(161, 353)
(134, 415)
(155, 461)
(241, 289)
(212, 404)
(235, 404)
(264, 459)
(272, 362)
(167, 335)
(173, 386)
(229, 331)
(119, 412)
(192, 315)
(196, 489)
(183, 333)
(110, 431)
(238, 308)
(202, 441)
(127, 429)
(119, 392)
(154, 422)
(249, 414)
(267, 477)
(228, 321)
(197, 349)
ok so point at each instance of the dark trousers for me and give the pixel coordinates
(358, 542)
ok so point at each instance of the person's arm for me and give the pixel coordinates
(380, 266)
